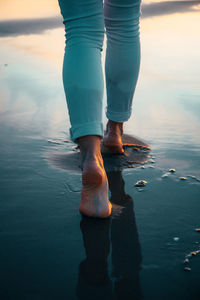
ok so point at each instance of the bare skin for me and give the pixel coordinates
(112, 140)
(94, 193)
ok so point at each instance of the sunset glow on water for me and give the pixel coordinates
(170, 54)
(43, 245)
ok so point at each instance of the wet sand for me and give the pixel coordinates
(48, 250)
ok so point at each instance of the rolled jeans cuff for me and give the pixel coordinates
(118, 116)
(92, 128)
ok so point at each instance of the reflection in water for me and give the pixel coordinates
(93, 278)
(93, 281)
(126, 251)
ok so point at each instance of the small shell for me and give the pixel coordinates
(183, 178)
(176, 239)
(172, 170)
(187, 269)
(186, 261)
(164, 175)
(141, 183)
(197, 229)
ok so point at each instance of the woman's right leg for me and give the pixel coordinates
(83, 84)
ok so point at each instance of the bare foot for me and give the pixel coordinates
(113, 137)
(94, 193)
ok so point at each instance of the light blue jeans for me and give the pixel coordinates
(85, 22)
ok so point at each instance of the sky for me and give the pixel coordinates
(32, 43)
(25, 9)
(33, 17)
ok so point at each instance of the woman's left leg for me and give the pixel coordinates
(84, 85)
(82, 69)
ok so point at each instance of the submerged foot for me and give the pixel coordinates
(94, 193)
(112, 140)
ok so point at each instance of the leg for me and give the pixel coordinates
(121, 65)
(94, 194)
(83, 84)
(82, 69)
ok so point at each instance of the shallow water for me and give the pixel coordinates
(47, 250)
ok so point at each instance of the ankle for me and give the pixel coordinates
(90, 144)
(115, 126)
(90, 150)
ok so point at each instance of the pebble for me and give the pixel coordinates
(195, 252)
(142, 167)
(183, 178)
(197, 229)
(164, 175)
(141, 183)
(186, 261)
(176, 239)
(172, 170)
(152, 161)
